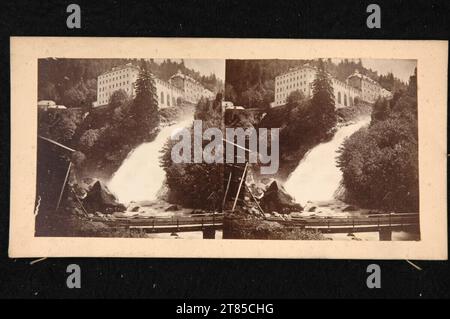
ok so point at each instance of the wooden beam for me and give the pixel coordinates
(238, 146)
(79, 201)
(64, 185)
(56, 143)
(226, 191)
(254, 199)
(240, 185)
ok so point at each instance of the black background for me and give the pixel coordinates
(211, 278)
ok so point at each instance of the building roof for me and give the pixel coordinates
(179, 74)
(362, 77)
(121, 67)
(227, 103)
(294, 69)
(46, 102)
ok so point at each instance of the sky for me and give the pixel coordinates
(204, 66)
(401, 69)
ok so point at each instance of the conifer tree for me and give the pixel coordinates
(323, 99)
(412, 85)
(145, 105)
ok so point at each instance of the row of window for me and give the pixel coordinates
(291, 86)
(285, 95)
(345, 86)
(104, 97)
(282, 98)
(194, 85)
(112, 86)
(168, 100)
(166, 85)
(371, 91)
(291, 79)
(339, 99)
(113, 79)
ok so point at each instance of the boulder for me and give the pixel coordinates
(135, 209)
(349, 208)
(275, 198)
(100, 199)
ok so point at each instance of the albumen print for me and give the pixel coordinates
(159, 147)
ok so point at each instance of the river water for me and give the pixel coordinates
(317, 177)
(141, 176)
(316, 180)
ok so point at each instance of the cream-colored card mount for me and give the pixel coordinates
(228, 148)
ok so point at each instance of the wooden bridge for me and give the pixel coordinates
(206, 223)
(384, 224)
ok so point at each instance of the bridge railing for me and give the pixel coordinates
(379, 220)
(214, 220)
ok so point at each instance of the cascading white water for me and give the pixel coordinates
(141, 176)
(317, 177)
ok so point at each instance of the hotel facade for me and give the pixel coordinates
(357, 86)
(170, 93)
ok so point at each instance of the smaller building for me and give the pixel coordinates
(386, 94)
(49, 104)
(45, 104)
(168, 94)
(344, 94)
(370, 89)
(193, 90)
(208, 94)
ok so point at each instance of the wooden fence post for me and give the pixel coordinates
(239, 188)
(226, 192)
(63, 186)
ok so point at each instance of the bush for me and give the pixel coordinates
(380, 163)
(59, 125)
(241, 228)
(196, 184)
(118, 98)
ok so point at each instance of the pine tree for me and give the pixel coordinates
(412, 85)
(380, 110)
(323, 99)
(145, 105)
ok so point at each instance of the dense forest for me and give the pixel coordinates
(380, 163)
(250, 83)
(73, 82)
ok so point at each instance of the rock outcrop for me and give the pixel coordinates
(100, 199)
(276, 199)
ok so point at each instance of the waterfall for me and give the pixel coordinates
(141, 176)
(317, 177)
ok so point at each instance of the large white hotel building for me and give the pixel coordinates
(301, 78)
(179, 88)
